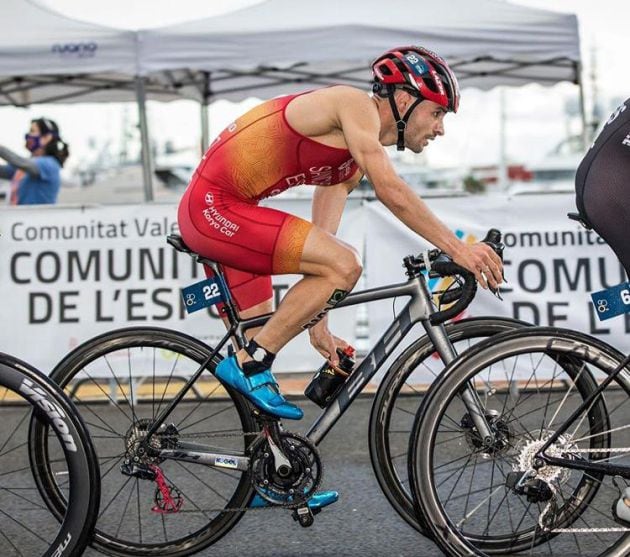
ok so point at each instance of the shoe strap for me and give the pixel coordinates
(261, 379)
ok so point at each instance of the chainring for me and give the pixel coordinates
(295, 488)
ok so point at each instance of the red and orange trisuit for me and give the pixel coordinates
(257, 156)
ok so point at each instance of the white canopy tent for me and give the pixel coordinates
(275, 47)
(48, 57)
(272, 45)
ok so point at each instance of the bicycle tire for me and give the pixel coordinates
(68, 531)
(593, 359)
(392, 477)
(151, 342)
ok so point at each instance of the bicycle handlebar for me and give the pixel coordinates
(441, 265)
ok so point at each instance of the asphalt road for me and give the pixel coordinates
(361, 523)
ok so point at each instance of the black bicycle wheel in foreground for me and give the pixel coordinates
(492, 493)
(29, 524)
(399, 398)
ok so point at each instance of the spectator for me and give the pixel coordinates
(36, 179)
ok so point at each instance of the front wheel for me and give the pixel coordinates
(121, 382)
(528, 383)
(399, 397)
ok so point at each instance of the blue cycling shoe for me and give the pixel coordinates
(316, 502)
(261, 388)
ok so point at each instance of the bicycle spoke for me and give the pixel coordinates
(198, 405)
(201, 481)
(23, 526)
(463, 468)
(225, 409)
(113, 402)
(124, 512)
(2, 453)
(106, 507)
(168, 382)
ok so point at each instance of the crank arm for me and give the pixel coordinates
(281, 461)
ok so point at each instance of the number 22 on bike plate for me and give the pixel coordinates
(612, 302)
(202, 294)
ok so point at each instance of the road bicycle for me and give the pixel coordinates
(544, 480)
(56, 521)
(148, 399)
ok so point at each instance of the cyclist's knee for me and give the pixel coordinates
(347, 268)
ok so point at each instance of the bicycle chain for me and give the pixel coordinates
(587, 530)
(232, 509)
(602, 450)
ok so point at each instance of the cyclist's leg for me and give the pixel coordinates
(265, 241)
(252, 294)
(603, 187)
(331, 268)
(328, 265)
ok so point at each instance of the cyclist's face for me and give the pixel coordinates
(424, 125)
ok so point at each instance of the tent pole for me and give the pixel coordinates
(205, 127)
(503, 166)
(580, 84)
(147, 162)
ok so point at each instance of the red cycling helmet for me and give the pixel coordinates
(419, 72)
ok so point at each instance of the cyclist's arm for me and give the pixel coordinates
(359, 121)
(328, 205)
(28, 165)
(329, 202)
(360, 125)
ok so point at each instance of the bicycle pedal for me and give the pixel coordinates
(304, 515)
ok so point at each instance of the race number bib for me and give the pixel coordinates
(612, 301)
(202, 295)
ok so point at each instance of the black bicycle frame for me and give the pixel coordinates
(418, 310)
(608, 469)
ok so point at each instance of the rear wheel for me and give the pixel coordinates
(120, 383)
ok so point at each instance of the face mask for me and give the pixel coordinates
(32, 142)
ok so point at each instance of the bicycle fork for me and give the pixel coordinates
(472, 402)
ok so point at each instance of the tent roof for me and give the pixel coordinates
(268, 48)
(273, 44)
(45, 55)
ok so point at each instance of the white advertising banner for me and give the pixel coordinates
(552, 264)
(68, 274)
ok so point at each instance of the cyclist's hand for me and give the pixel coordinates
(325, 342)
(481, 260)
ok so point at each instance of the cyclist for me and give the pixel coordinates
(602, 183)
(602, 180)
(37, 178)
(329, 138)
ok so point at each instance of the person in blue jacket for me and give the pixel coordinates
(38, 176)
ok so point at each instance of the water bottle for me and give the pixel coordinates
(328, 380)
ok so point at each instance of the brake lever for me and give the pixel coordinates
(493, 239)
(496, 292)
